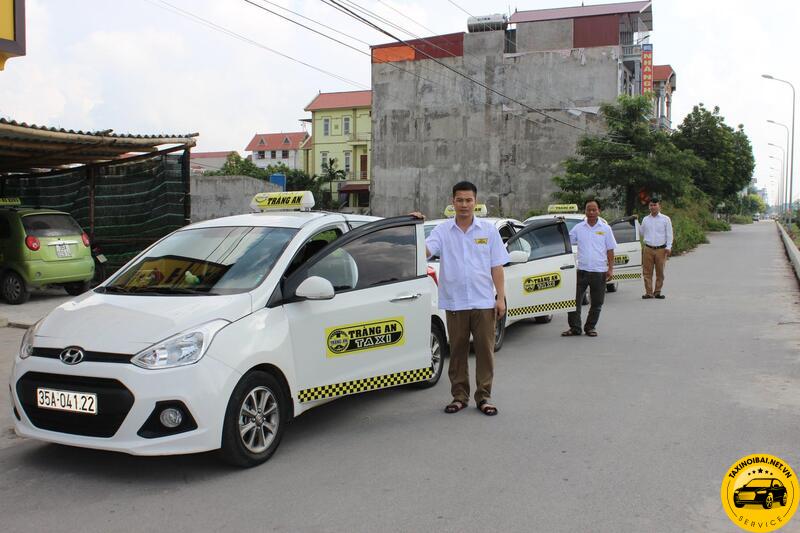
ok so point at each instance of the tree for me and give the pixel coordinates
(235, 165)
(632, 157)
(330, 174)
(726, 154)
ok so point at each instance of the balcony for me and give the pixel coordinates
(359, 138)
(632, 52)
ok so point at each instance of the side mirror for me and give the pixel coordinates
(315, 288)
(518, 256)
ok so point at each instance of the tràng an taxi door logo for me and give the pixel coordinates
(344, 340)
(760, 492)
(621, 259)
(542, 282)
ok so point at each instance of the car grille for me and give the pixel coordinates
(114, 401)
(747, 496)
(97, 357)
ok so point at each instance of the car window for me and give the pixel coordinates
(571, 223)
(506, 232)
(624, 231)
(50, 225)
(222, 260)
(384, 256)
(546, 241)
(5, 228)
(312, 246)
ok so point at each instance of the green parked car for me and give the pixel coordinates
(41, 247)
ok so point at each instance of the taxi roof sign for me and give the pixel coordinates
(562, 208)
(283, 201)
(10, 201)
(480, 211)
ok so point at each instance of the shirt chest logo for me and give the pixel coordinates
(600, 232)
(483, 240)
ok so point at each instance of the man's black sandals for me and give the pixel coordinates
(487, 408)
(454, 406)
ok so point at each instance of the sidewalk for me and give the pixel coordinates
(27, 314)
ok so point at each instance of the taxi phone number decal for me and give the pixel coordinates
(541, 282)
(344, 340)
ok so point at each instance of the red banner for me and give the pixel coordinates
(647, 68)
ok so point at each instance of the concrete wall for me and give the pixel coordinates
(548, 35)
(221, 196)
(427, 136)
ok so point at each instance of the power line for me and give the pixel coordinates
(336, 5)
(200, 20)
(461, 8)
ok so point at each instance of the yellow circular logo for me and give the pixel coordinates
(760, 492)
(338, 341)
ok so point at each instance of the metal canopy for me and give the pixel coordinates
(31, 149)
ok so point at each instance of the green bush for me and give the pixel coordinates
(534, 213)
(741, 219)
(717, 225)
(687, 230)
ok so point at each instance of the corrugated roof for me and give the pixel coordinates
(538, 15)
(27, 147)
(662, 72)
(342, 100)
(276, 141)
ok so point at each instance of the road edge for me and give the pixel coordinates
(791, 250)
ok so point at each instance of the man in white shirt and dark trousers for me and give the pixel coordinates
(657, 234)
(471, 258)
(596, 245)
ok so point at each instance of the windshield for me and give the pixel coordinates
(211, 261)
(758, 483)
(50, 225)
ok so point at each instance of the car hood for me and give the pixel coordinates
(127, 324)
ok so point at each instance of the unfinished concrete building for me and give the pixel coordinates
(541, 77)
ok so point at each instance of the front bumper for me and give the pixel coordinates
(204, 388)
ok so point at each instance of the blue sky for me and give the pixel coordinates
(137, 66)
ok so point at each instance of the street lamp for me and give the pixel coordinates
(791, 151)
(781, 174)
(784, 188)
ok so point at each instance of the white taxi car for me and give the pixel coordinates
(541, 277)
(627, 254)
(223, 331)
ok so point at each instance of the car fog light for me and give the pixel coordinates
(171, 417)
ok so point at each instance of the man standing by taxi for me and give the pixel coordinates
(657, 234)
(596, 244)
(471, 258)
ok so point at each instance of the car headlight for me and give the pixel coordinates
(185, 348)
(26, 347)
(761, 492)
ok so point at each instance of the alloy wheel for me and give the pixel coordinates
(258, 419)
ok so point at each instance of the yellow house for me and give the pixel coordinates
(341, 129)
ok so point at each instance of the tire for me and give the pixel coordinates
(543, 319)
(783, 500)
(76, 288)
(768, 501)
(438, 352)
(14, 289)
(499, 333)
(611, 287)
(260, 394)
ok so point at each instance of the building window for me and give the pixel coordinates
(272, 154)
(346, 125)
(284, 154)
(326, 126)
(347, 162)
(324, 158)
(260, 154)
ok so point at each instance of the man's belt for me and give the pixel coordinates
(656, 247)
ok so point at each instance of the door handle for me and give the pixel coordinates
(406, 298)
(567, 267)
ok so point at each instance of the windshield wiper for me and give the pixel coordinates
(173, 290)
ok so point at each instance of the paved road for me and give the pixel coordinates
(631, 431)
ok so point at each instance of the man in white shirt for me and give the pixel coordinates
(657, 234)
(596, 245)
(471, 258)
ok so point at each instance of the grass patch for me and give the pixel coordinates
(741, 219)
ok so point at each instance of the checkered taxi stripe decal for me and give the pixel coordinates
(542, 308)
(363, 385)
(634, 275)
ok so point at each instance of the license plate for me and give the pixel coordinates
(62, 250)
(65, 400)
